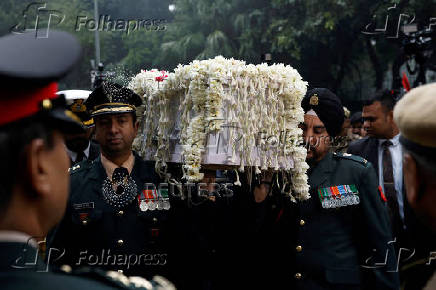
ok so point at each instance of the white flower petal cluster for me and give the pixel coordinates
(258, 98)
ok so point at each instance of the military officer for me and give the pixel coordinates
(339, 238)
(414, 116)
(34, 177)
(80, 146)
(117, 216)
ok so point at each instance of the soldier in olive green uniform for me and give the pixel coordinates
(339, 238)
(34, 177)
(116, 219)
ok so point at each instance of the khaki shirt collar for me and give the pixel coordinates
(109, 166)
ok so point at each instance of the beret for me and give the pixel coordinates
(415, 116)
(327, 106)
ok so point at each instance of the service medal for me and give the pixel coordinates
(151, 205)
(160, 204)
(143, 205)
(166, 204)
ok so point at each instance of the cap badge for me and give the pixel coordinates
(78, 106)
(314, 100)
(46, 104)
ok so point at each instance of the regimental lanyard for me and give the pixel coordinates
(338, 196)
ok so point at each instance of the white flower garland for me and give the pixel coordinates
(148, 84)
(258, 98)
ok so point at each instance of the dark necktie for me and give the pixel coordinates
(389, 185)
(80, 156)
(119, 177)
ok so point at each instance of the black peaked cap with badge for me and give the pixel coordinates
(112, 98)
(75, 103)
(328, 108)
(29, 69)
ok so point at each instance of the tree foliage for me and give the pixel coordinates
(323, 39)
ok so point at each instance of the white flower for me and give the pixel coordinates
(261, 99)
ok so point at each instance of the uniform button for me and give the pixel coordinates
(299, 248)
(155, 220)
(120, 271)
(302, 222)
(120, 242)
(120, 213)
(84, 222)
(298, 276)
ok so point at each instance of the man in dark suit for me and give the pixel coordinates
(335, 239)
(416, 120)
(382, 148)
(33, 172)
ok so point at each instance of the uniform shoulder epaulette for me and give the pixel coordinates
(80, 166)
(351, 157)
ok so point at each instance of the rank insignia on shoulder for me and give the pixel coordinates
(75, 167)
(338, 196)
(352, 157)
